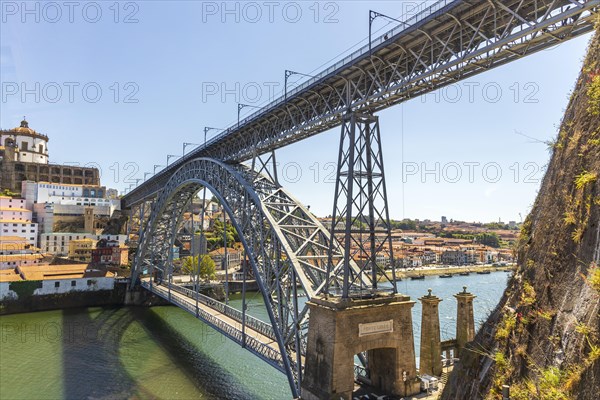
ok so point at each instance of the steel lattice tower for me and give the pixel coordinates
(360, 219)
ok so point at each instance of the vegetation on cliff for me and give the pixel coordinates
(543, 340)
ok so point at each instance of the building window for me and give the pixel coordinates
(56, 284)
(73, 283)
(89, 282)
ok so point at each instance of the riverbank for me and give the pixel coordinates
(118, 296)
(402, 273)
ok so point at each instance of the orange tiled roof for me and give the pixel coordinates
(14, 209)
(12, 239)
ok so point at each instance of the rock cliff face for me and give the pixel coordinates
(543, 339)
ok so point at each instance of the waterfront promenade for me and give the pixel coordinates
(403, 273)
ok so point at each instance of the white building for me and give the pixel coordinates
(16, 220)
(62, 193)
(30, 146)
(49, 200)
(58, 243)
(15, 251)
(56, 279)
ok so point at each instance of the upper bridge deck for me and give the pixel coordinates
(449, 41)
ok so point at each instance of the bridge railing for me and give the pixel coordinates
(268, 353)
(253, 323)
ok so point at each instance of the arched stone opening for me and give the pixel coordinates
(339, 329)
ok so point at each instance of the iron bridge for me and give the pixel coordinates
(287, 250)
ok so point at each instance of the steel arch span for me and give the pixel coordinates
(284, 244)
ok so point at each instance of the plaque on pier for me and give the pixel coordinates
(373, 328)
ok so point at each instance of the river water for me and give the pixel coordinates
(165, 353)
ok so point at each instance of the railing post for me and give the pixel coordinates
(170, 270)
(225, 261)
(244, 307)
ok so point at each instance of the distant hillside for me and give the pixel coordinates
(544, 338)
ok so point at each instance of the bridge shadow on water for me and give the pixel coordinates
(212, 379)
(93, 367)
(90, 354)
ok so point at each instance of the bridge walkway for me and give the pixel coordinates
(257, 337)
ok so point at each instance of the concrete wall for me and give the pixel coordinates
(65, 286)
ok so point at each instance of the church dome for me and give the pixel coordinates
(24, 129)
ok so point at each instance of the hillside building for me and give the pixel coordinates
(16, 220)
(24, 156)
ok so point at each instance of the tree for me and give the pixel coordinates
(215, 238)
(207, 266)
(489, 239)
(9, 193)
(405, 224)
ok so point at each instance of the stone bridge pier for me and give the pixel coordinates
(341, 328)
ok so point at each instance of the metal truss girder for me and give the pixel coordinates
(449, 41)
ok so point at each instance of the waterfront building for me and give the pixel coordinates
(16, 220)
(81, 250)
(57, 243)
(454, 257)
(24, 156)
(15, 251)
(110, 252)
(56, 279)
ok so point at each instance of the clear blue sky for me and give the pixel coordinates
(173, 54)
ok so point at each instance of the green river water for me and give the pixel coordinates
(165, 353)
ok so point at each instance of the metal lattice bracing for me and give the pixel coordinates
(286, 246)
(445, 43)
(360, 218)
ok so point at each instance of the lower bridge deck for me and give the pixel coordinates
(255, 335)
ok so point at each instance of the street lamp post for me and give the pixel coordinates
(188, 144)
(169, 156)
(156, 166)
(240, 108)
(374, 15)
(146, 174)
(210, 128)
(289, 73)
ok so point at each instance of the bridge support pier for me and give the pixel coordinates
(341, 328)
(465, 322)
(431, 347)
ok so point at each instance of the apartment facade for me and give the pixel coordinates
(16, 220)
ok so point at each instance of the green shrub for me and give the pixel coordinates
(528, 296)
(585, 178)
(593, 93)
